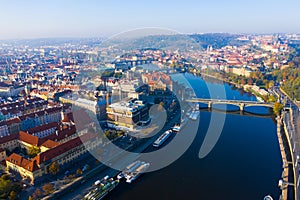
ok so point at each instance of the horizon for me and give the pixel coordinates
(34, 19)
(109, 36)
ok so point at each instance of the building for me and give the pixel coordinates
(20, 107)
(39, 118)
(61, 147)
(97, 106)
(34, 169)
(10, 90)
(44, 130)
(2, 154)
(3, 129)
(127, 114)
(9, 142)
(241, 71)
(158, 82)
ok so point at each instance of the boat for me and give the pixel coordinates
(137, 172)
(162, 138)
(268, 197)
(101, 188)
(195, 114)
(178, 127)
(129, 169)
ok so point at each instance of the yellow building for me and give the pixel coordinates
(51, 151)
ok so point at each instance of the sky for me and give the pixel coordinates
(97, 18)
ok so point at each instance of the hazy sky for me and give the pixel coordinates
(89, 18)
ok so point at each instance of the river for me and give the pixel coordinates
(244, 164)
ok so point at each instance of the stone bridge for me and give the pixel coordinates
(239, 103)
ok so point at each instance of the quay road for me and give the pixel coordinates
(291, 122)
(87, 184)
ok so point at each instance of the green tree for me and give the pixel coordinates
(54, 168)
(79, 172)
(48, 188)
(271, 84)
(12, 195)
(33, 151)
(272, 98)
(277, 108)
(5, 185)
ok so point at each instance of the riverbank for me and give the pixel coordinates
(78, 188)
(283, 151)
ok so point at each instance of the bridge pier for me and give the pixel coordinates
(209, 105)
(242, 106)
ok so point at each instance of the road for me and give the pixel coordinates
(86, 186)
(292, 120)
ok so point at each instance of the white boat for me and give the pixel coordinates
(129, 169)
(195, 114)
(192, 114)
(178, 127)
(268, 198)
(135, 174)
(101, 188)
(162, 138)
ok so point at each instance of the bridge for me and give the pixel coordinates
(132, 63)
(239, 103)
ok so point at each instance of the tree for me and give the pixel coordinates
(37, 193)
(79, 172)
(271, 84)
(48, 188)
(5, 184)
(161, 106)
(243, 81)
(33, 151)
(272, 98)
(277, 108)
(250, 81)
(12, 195)
(54, 168)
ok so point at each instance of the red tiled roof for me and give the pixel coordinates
(8, 138)
(22, 162)
(43, 127)
(50, 144)
(61, 134)
(68, 117)
(41, 113)
(58, 150)
(30, 139)
(15, 120)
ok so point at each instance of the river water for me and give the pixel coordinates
(244, 164)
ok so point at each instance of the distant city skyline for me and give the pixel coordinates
(98, 18)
